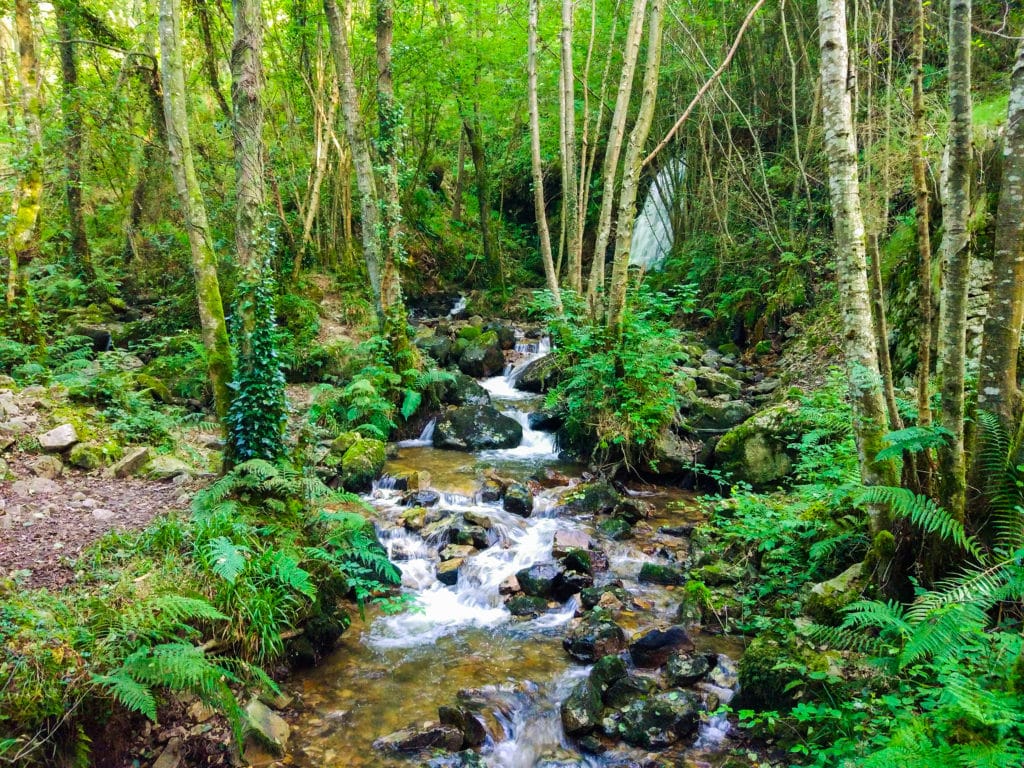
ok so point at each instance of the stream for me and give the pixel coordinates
(459, 642)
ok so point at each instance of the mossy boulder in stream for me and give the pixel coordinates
(654, 647)
(581, 712)
(539, 376)
(659, 721)
(540, 579)
(595, 498)
(476, 428)
(437, 347)
(757, 450)
(593, 637)
(361, 463)
(483, 357)
(464, 390)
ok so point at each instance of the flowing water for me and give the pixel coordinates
(653, 231)
(459, 642)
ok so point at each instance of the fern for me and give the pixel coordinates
(129, 693)
(226, 559)
(913, 440)
(924, 513)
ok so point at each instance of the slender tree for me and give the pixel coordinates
(851, 263)
(570, 180)
(204, 260)
(998, 389)
(955, 254)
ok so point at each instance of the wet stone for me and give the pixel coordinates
(593, 637)
(540, 579)
(654, 647)
(684, 669)
(434, 736)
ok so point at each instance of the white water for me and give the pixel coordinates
(459, 307)
(426, 437)
(535, 445)
(653, 232)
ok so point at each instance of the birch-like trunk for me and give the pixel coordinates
(851, 263)
(570, 180)
(204, 260)
(632, 167)
(610, 168)
(955, 254)
(23, 229)
(543, 232)
(998, 390)
(361, 161)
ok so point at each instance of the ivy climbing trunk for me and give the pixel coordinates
(955, 255)
(610, 167)
(544, 234)
(851, 271)
(632, 167)
(998, 390)
(361, 160)
(23, 230)
(204, 260)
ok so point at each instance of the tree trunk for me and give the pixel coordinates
(150, 170)
(361, 161)
(924, 244)
(473, 131)
(632, 166)
(460, 176)
(204, 260)
(23, 230)
(570, 195)
(71, 107)
(851, 267)
(321, 151)
(955, 253)
(388, 135)
(610, 169)
(998, 390)
(210, 58)
(538, 172)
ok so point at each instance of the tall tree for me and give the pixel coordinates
(955, 255)
(610, 166)
(23, 231)
(539, 204)
(851, 263)
(204, 260)
(998, 389)
(570, 180)
(632, 167)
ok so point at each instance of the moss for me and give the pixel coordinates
(469, 333)
(362, 463)
(883, 548)
(86, 456)
(156, 388)
(768, 666)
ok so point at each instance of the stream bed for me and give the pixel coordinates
(458, 642)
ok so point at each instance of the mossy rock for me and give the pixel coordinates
(757, 451)
(826, 601)
(615, 528)
(591, 498)
(719, 574)
(667, 575)
(469, 332)
(87, 456)
(769, 665)
(362, 463)
(344, 441)
(155, 387)
(483, 357)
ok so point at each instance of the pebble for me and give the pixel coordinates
(103, 514)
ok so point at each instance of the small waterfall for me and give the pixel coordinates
(535, 445)
(426, 437)
(459, 307)
(504, 387)
(653, 232)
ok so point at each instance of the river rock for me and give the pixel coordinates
(87, 456)
(684, 669)
(525, 606)
(59, 438)
(361, 463)
(592, 596)
(571, 583)
(518, 500)
(656, 573)
(464, 390)
(49, 467)
(460, 551)
(757, 451)
(266, 727)
(654, 647)
(607, 671)
(473, 535)
(437, 347)
(540, 579)
(673, 455)
(591, 498)
(568, 540)
(707, 415)
(422, 498)
(509, 586)
(467, 758)
(581, 711)
(545, 421)
(615, 528)
(593, 637)
(539, 376)
(659, 721)
(432, 736)
(474, 732)
(717, 383)
(474, 428)
(448, 571)
(483, 357)
(629, 688)
(506, 335)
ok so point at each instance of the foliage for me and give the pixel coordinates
(618, 397)
(258, 410)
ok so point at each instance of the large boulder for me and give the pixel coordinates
(483, 357)
(709, 415)
(540, 579)
(539, 376)
(757, 450)
(658, 721)
(591, 498)
(266, 727)
(593, 637)
(475, 428)
(361, 463)
(464, 390)
(827, 599)
(431, 736)
(673, 455)
(59, 438)
(581, 711)
(437, 347)
(717, 383)
(654, 647)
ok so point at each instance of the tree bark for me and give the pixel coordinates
(998, 390)
(632, 167)
(71, 107)
(210, 58)
(955, 254)
(851, 263)
(204, 260)
(23, 230)
(610, 168)
(538, 172)
(570, 181)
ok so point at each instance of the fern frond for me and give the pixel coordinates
(888, 618)
(843, 639)
(129, 693)
(924, 513)
(289, 572)
(226, 559)
(949, 629)
(913, 440)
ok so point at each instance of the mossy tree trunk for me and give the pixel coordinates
(955, 255)
(570, 181)
(23, 229)
(632, 168)
(998, 390)
(861, 355)
(610, 165)
(539, 205)
(204, 260)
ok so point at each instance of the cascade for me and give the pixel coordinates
(653, 233)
